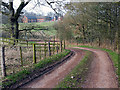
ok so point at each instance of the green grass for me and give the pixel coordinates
(75, 78)
(39, 23)
(51, 32)
(46, 23)
(25, 72)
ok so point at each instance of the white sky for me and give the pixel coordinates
(37, 9)
(45, 10)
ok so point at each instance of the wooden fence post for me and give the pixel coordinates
(40, 51)
(9, 41)
(61, 45)
(34, 54)
(3, 68)
(49, 48)
(21, 56)
(45, 49)
(57, 48)
(27, 43)
(54, 45)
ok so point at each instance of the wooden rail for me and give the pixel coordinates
(43, 48)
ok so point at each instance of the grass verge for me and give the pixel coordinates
(11, 79)
(75, 78)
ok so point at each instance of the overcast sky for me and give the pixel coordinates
(45, 10)
(37, 9)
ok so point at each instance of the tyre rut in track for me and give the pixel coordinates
(51, 79)
(101, 73)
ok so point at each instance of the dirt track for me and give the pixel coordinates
(101, 73)
(51, 79)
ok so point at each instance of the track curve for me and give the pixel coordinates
(101, 73)
(50, 80)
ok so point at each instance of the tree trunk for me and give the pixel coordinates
(83, 34)
(14, 27)
(99, 41)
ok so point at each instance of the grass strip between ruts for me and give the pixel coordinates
(76, 77)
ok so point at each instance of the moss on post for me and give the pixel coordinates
(61, 45)
(45, 49)
(21, 56)
(40, 51)
(49, 49)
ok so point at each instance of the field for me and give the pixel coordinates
(23, 53)
(50, 31)
(41, 31)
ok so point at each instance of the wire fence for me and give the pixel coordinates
(19, 54)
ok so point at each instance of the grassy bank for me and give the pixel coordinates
(75, 78)
(9, 80)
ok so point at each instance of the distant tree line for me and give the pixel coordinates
(91, 22)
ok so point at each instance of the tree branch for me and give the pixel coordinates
(5, 5)
(11, 8)
(22, 5)
(7, 14)
(49, 3)
(27, 3)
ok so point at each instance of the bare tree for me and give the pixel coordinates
(14, 15)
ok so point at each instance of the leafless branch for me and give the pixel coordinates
(11, 8)
(51, 6)
(27, 3)
(5, 5)
(22, 5)
(4, 13)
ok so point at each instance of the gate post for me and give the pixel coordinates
(49, 48)
(21, 56)
(34, 54)
(3, 68)
(61, 45)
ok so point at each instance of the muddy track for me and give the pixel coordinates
(51, 79)
(39, 72)
(101, 73)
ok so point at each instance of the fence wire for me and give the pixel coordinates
(18, 58)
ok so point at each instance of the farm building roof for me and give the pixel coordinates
(31, 17)
(40, 17)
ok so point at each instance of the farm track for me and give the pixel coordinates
(39, 72)
(101, 72)
(51, 79)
